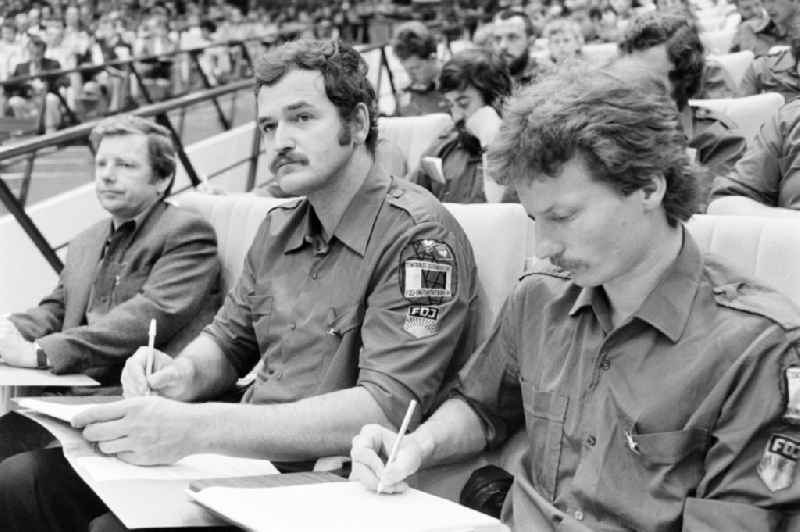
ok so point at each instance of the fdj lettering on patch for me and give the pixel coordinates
(422, 321)
(428, 272)
(779, 461)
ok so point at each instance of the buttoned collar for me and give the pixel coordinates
(355, 226)
(669, 304)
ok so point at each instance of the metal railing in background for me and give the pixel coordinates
(79, 135)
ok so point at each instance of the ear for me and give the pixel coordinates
(653, 192)
(360, 123)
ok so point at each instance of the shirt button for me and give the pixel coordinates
(578, 515)
(292, 326)
(591, 441)
(605, 365)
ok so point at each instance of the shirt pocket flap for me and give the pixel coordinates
(260, 304)
(671, 447)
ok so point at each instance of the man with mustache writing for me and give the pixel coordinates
(353, 300)
(657, 387)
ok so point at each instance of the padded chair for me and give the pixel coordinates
(748, 112)
(764, 248)
(717, 42)
(735, 64)
(413, 134)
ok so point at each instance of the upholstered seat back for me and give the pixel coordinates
(748, 112)
(413, 134)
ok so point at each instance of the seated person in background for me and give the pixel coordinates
(774, 31)
(11, 52)
(352, 301)
(415, 47)
(151, 260)
(776, 71)
(564, 41)
(652, 381)
(27, 98)
(768, 175)
(513, 37)
(475, 85)
(752, 12)
(667, 45)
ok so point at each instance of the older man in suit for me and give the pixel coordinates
(151, 260)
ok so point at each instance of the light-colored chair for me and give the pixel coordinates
(413, 134)
(735, 64)
(717, 42)
(748, 112)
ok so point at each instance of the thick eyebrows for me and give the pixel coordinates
(295, 106)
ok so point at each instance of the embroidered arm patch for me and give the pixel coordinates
(428, 272)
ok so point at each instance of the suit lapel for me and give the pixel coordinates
(78, 281)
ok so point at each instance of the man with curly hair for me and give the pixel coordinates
(654, 383)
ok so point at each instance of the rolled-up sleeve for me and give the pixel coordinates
(750, 475)
(489, 382)
(409, 339)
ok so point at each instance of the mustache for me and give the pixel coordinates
(286, 158)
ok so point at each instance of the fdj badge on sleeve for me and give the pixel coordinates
(779, 461)
(428, 279)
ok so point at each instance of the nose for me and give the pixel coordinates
(283, 139)
(546, 245)
(105, 172)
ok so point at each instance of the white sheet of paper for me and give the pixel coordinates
(192, 467)
(341, 507)
(433, 167)
(11, 376)
(52, 408)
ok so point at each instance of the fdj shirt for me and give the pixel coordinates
(385, 303)
(669, 420)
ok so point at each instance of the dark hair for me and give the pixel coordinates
(480, 69)
(684, 49)
(511, 13)
(413, 39)
(341, 66)
(160, 148)
(625, 131)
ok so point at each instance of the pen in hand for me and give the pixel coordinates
(396, 445)
(148, 368)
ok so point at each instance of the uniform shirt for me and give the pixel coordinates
(770, 170)
(462, 168)
(758, 37)
(775, 72)
(659, 422)
(384, 302)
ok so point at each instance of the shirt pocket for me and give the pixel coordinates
(545, 413)
(261, 314)
(659, 449)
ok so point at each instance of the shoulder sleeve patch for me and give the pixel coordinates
(755, 299)
(428, 272)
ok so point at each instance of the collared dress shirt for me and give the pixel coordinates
(324, 313)
(769, 172)
(654, 425)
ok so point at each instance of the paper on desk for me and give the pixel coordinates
(63, 410)
(341, 506)
(195, 466)
(12, 376)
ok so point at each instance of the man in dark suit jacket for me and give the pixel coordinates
(25, 98)
(152, 260)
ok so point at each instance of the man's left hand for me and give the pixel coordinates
(484, 124)
(14, 349)
(143, 430)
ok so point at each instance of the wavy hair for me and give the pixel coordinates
(479, 69)
(626, 131)
(684, 49)
(343, 70)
